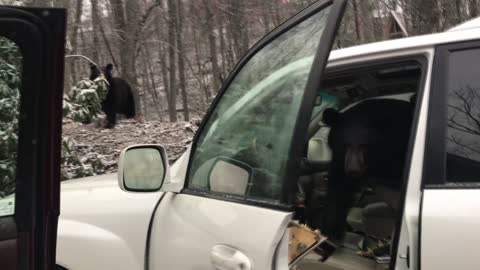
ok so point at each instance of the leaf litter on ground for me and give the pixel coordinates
(98, 148)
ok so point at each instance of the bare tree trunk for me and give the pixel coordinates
(200, 70)
(367, 20)
(164, 71)
(223, 49)
(132, 8)
(119, 29)
(212, 43)
(96, 24)
(109, 47)
(74, 36)
(223, 65)
(162, 57)
(127, 34)
(39, 3)
(155, 98)
(266, 15)
(276, 14)
(181, 61)
(84, 51)
(356, 17)
(425, 16)
(145, 85)
(68, 82)
(230, 50)
(473, 7)
(458, 5)
(341, 33)
(230, 42)
(172, 101)
(238, 29)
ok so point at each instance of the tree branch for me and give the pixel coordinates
(148, 13)
(455, 141)
(461, 127)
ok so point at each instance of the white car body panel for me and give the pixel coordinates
(101, 226)
(343, 56)
(281, 258)
(474, 23)
(175, 228)
(450, 223)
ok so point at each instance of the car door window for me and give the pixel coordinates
(254, 120)
(463, 121)
(10, 70)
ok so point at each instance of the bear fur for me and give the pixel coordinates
(369, 142)
(119, 98)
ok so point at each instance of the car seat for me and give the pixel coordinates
(376, 216)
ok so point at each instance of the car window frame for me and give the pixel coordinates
(306, 107)
(40, 35)
(386, 59)
(435, 164)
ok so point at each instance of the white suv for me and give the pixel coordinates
(386, 167)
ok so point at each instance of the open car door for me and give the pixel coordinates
(236, 203)
(31, 82)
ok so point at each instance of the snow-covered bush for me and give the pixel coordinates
(72, 164)
(12, 2)
(83, 103)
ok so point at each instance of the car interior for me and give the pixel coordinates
(372, 220)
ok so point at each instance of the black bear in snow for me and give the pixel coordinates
(369, 144)
(119, 98)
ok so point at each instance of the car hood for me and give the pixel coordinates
(83, 198)
(98, 217)
(100, 181)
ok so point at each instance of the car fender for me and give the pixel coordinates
(79, 245)
(102, 226)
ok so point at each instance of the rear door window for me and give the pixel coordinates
(463, 116)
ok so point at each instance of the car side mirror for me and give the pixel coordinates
(142, 168)
(238, 174)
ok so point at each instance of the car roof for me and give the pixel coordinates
(474, 23)
(464, 32)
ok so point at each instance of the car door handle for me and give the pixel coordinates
(227, 258)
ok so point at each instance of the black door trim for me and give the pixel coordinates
(40, 35)
(300, 135)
